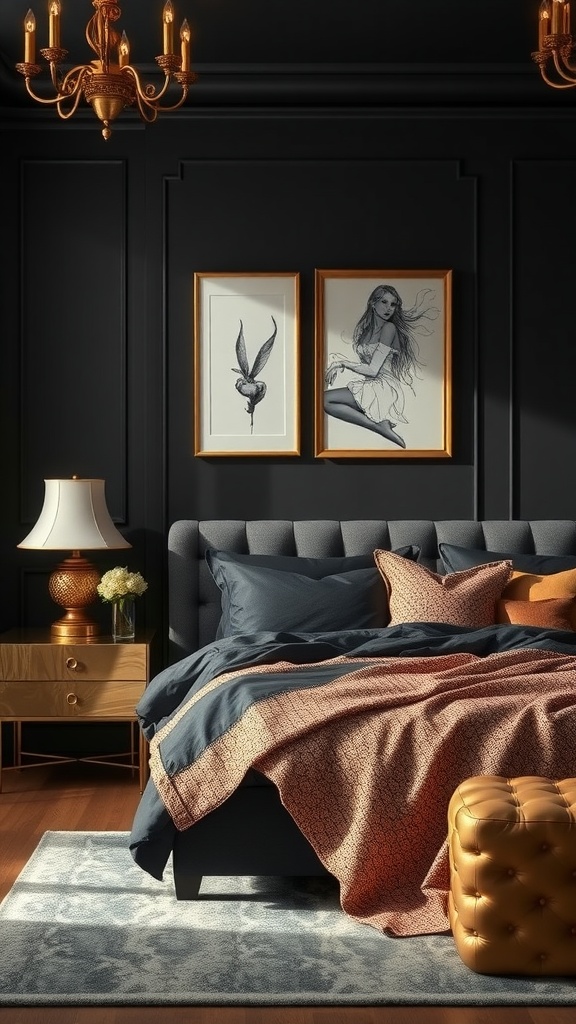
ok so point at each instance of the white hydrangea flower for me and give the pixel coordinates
(118, 583)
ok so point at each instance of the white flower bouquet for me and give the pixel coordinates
(118, 583)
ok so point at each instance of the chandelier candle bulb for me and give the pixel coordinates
(29, 38)
(168, 21)
(124, 51)
(544, 18)
(54, 23)
(557, 16)
(185, 39)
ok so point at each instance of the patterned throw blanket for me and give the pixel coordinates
(366, 754)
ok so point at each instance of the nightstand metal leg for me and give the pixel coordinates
(143, 759)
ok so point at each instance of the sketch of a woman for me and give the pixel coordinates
(387, 361)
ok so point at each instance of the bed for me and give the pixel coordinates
(318, 633)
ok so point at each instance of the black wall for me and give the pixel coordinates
(100, 242)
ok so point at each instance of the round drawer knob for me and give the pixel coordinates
(71, 698)
(72, 664)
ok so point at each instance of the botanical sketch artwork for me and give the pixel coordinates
(247, 384)
(246, 364)
(382, 363)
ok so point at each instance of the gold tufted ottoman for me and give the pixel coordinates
(512, 900)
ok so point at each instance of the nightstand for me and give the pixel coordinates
(45, 680)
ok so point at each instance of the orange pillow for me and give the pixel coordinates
(551, 613)
(525, 586)
(416, 594)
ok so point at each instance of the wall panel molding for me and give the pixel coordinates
(73, 327)
(418, 211)
(543, 355)
(301, 84)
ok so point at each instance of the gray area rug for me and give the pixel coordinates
(83, 925)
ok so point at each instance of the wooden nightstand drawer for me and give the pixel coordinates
(60, 699)
(73, 661)
(44, 680)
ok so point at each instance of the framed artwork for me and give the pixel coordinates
(246, 364)
(383, 364)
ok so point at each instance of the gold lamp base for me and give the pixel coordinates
(73, 586)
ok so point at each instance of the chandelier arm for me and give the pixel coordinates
(75, 89)
(155, 106)
(157, 110)
(54, 76)
(91, 35)
(146, 93)
(71, 89)
(560, 68)
(65, 114)
(179, 103)
(81, 70)
(148, 111)
(566, 65)
(553, 84)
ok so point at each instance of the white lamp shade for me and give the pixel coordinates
(74, 517)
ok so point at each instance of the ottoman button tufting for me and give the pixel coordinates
(512, 821)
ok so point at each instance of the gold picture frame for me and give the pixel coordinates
(246, 364)
(396, 324)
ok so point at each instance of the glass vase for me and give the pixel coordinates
(123, 620)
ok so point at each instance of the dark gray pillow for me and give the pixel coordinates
(455, 559)
(275, 593)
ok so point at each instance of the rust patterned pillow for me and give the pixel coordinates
(551, 613)
(467, 598)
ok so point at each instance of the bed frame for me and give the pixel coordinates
(252, 833)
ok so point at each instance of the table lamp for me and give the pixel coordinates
(74, 517)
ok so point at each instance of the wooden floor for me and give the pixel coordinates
(90, 798)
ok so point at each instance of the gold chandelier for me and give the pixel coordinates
(555, 44)
(109, 83)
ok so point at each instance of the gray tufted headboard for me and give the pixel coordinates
(194, 599)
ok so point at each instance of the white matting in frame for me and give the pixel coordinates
(246, 364)
(383, 364)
